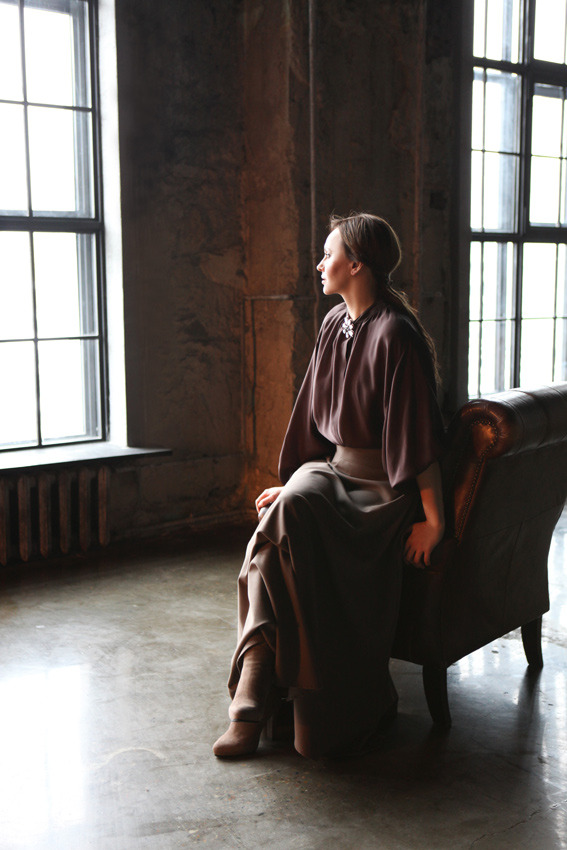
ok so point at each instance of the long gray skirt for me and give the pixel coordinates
(321, 583)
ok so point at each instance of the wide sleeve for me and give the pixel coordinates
(302, 441)
(413, 432)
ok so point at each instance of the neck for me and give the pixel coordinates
(357, 303)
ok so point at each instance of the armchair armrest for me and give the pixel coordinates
(508, 423)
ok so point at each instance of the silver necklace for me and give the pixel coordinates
(347, 327)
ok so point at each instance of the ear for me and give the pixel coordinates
(356, 267)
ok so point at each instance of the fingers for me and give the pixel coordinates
(265, 499)
(418, 558)
(414, 558)
(415, 554)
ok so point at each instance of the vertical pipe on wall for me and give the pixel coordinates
(313, 164)
(463, 28)
(416, 287)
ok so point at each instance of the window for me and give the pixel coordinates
(51, 344)
(518, 259)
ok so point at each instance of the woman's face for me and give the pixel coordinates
(335, 267)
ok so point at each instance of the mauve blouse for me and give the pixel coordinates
(374, 390)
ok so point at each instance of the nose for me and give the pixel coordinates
(320, 266)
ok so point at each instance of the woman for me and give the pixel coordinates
(319, 588)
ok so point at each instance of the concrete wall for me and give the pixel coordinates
(181, 151)
(238, 119)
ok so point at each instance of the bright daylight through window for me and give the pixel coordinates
(518, 283)
(51, 351)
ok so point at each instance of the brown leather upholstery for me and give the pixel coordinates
(505, 478)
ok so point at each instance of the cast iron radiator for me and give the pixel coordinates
(53, 512)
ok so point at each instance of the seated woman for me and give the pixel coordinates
(318, 593)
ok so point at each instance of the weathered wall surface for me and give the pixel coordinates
(180, 106)
(220, 177)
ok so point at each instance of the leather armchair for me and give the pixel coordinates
(505, 480)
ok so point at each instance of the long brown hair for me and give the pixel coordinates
(369, 239)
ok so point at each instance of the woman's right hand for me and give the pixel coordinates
(265, 499)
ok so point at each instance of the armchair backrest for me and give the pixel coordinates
(507, 458)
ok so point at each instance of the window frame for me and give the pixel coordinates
(531, 73)
(77, 223)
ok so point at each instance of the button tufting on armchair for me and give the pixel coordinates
(505, 480)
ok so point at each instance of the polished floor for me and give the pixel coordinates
(112, 690)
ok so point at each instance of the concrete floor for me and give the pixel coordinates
(112, 690)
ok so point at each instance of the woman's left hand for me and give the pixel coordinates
(421, 541)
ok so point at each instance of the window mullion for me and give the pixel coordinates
(31, 246)
(25, 93)
(99, 212)
(524, 183)
(35, 340)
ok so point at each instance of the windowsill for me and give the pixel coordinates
(75, 455)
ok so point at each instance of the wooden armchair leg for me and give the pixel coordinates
(531, 638)
(435, 686)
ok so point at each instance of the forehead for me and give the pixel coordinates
(334, 240)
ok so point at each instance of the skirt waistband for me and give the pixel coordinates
(360, 463)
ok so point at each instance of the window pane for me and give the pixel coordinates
(56, 67)
(487, 358)
(476, 189)
(18, 423)
(479, 27)
(61, 161)
(544, 190)
(500, 188)
(563, 190)
(475, 281)
(561, 302)
(547, 121)
(560, 373)
(13, 181)
(10, 54)
(64, 282)
(498, 280)
(16, 295)
(502, 124)
(538, 282)
(536, 359)
(478, 110)
(549, 37)
(498, 24)
(474, 355)
(68, 383)
(495, 356)
(491, 340)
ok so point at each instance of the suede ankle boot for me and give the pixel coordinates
(249, 709)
